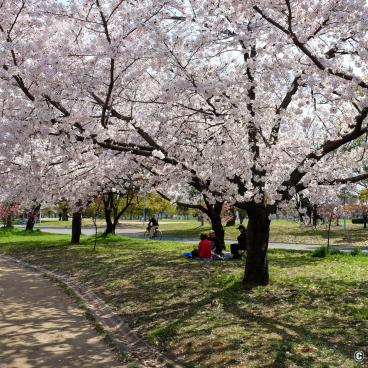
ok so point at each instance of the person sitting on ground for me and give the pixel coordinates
(152, 225)
(241, 244)
(204, 248)
(217, 246)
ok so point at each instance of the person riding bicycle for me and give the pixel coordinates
(152, 225)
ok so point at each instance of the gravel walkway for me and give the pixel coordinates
(42, 327)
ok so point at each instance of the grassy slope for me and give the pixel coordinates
(314, 313)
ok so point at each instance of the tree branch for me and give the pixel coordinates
(303, 48)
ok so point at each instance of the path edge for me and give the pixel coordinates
(113, 326)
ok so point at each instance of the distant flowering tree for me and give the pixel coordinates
(228, 214)
(7, 213)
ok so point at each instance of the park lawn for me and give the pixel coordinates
(14, 238)
(282, 231)
(313, 314)
(88, 222)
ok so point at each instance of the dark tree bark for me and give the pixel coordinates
(108, 206)
(30, 223)
(32, 216)
(329, 232)
(213, 211)
(76, 227)
(315, 215)
(110, 227)
(112, 213)
(256, 268)
(8, 221)
(64, 215)
(365, 219)
(216, 224)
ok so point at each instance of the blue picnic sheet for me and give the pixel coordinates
(227, 256)
(189, 255)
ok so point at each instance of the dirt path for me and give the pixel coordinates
(41, 327)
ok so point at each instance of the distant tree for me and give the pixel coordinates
(329, 213)
(228, 214)
(115, 205)
(7, 213)
(360, 207)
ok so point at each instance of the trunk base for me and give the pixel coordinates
(30, 225)
(256, 268)
(76, 227)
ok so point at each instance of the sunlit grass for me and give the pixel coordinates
(283, 231)
(313, 314)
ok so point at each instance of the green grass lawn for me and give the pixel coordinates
(88, 222)
(314, 313)
(283, 231)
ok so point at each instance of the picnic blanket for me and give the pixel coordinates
(227, 256)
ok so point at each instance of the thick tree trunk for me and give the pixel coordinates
(315, 215)
(32, 218)
(108, 210)
(329, 232)
(30, 223)
(110, 227)
(256, 268)
(8, 221)
(112, 211)
(217, 227)
(213, 211)
(64, 215)
(76, 227)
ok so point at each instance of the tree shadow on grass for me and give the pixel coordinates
(184, 276)
(160, 294)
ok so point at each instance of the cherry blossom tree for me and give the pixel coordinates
(246, 102)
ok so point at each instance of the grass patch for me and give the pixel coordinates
(283, 231)
(27, 240)
(313, 314)
(357, 252)
(323, 252)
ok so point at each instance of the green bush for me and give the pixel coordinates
(356, 252)
(323, 252)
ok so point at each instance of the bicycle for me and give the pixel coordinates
(157, 234)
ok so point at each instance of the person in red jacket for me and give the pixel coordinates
(204, 247)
